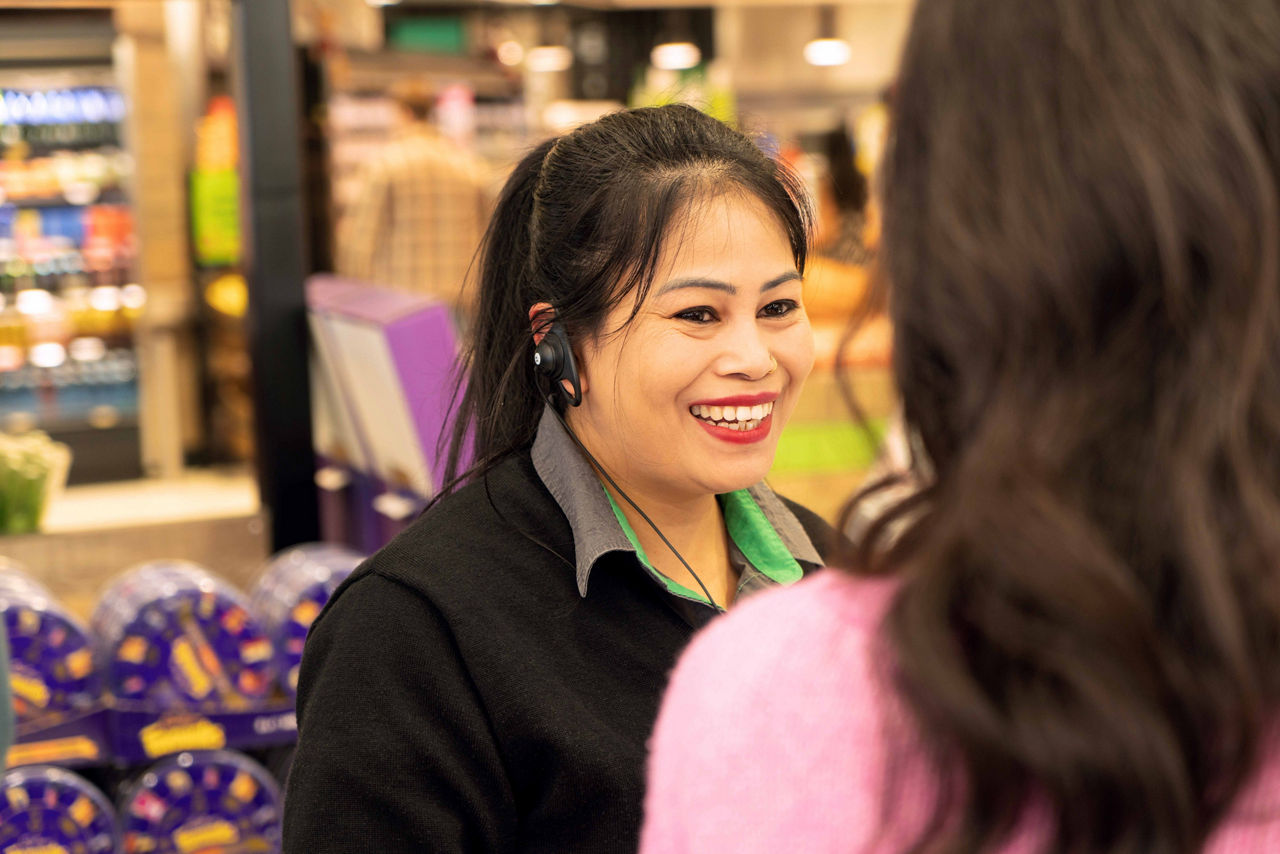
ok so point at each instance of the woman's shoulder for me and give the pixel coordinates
(511, 484)
(828, 606)
(498, 528)
(798, 677)
(789, 652)
(487, 512)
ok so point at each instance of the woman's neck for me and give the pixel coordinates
(692, 523)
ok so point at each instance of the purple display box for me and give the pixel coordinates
(140, 734)
(385, 370)
(75, 741)
(134, 732)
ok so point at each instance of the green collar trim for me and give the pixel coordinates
(757, 539)
(750, 531)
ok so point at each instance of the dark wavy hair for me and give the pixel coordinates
(580, 225)
(1082, 239)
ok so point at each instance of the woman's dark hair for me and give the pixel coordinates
(1082, 240)
(849, 185)
(580, 225)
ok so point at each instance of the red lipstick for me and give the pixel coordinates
(740, 437)
(740, 400)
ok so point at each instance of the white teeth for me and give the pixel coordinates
(733, 417)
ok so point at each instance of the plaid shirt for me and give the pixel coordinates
(418, 218)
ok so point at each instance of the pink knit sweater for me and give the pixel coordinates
(778, 730)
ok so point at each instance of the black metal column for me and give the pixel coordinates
(266, 94)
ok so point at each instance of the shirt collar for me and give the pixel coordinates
(596, 532)
(576, 488)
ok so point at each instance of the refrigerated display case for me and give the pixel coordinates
(69, 299)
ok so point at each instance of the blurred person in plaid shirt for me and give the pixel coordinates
(421, 209)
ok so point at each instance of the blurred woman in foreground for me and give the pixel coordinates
(1071, 642)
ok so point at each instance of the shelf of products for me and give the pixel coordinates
(69, 304)
(175, 703)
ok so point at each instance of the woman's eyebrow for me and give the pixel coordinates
(717, 285)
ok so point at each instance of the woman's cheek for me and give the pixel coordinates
(800, 350)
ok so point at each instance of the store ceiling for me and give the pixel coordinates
(655, 4)
(591, 4)
(651, 4)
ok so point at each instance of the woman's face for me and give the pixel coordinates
(689, 398)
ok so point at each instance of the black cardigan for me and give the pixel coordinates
(457, 694)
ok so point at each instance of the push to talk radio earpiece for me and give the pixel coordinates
(553, 359)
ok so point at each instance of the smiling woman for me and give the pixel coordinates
(676, 388)
(488, 681)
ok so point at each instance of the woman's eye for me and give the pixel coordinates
(697, 315)
(779, 308)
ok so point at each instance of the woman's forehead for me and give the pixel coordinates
(728, 229)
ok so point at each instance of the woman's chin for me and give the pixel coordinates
(742, 476)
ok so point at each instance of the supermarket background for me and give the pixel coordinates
(191, 401)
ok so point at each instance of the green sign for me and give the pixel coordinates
(429, 35)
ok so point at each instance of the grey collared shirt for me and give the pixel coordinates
(596, 532)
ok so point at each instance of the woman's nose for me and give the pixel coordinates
(747, 354)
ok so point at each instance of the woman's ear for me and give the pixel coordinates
(582, 374)
(541, 316)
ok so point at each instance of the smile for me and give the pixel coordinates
(739, 418)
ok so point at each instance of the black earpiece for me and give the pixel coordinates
(553, 359)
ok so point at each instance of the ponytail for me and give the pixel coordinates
(499, 408)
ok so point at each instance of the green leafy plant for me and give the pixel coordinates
(33, 468)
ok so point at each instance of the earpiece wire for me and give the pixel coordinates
(620, 491)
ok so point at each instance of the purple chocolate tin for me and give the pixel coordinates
(43, 808)
(51, 663)
(202, 800)
(293, 589)
(172, 634)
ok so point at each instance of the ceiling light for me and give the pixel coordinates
(676, 56)
(827, 52)
(826, 49)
